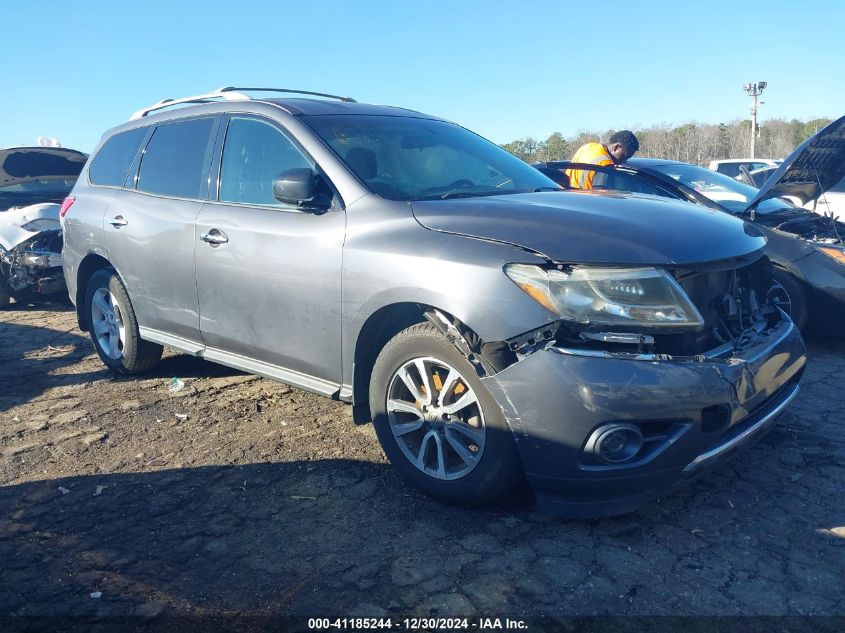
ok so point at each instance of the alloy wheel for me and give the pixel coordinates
(108, 324)
(435, 418)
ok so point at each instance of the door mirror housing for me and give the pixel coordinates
(304, 188)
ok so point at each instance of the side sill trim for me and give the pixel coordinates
(273, 372)
(177, 342)
(345, 394)
(252, 366)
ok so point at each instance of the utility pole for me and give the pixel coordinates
(754, 90)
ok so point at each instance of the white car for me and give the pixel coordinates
(731, 166)
(833, 201)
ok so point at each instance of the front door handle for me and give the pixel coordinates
(214, 237)
(117, 221)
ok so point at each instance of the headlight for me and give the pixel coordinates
(834, 253)
(609, 296)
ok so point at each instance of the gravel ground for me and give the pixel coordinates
(238, 495)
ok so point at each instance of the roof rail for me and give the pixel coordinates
(203, 98)
(227, 93)
(288, 91)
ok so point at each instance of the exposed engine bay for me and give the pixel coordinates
(34, 265)
(821, 229)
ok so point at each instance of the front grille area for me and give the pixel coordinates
(733, 303)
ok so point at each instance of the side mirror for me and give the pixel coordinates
(304, 188)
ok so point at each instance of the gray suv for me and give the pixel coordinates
(606, 347)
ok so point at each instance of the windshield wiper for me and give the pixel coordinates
(777, 212)
(461, 194)
(536, 189)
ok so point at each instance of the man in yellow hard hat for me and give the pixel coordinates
(619, 148)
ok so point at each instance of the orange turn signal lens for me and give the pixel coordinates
(538, 295)
(834, 253)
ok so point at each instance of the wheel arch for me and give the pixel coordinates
(378, 329)
(89, 265)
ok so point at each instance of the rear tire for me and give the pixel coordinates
(453, 444)
(794, 297)
(114, 328)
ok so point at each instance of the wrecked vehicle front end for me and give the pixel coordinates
(34, 266)
(665, 352)
(607, 419)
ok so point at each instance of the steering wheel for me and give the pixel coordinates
(461, 182)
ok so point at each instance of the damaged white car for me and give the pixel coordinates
(33, 183)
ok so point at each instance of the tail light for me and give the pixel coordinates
(66, 205)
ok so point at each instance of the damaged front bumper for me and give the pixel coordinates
(692, 413)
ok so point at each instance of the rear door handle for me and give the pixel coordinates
(214, 237)
(118, 220)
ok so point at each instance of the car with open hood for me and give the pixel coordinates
(33, 183)
(830, 202)
(806, 248)
(492, 327)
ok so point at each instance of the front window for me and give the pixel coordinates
(726, 191)
(405, 158)
(254, 154)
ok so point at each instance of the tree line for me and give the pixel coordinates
(692, 142)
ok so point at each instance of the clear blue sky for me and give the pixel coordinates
(504, 69)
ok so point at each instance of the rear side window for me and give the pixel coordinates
(173, 159)
(111, 163)
(254, 154)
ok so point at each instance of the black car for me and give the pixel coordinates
(806, 248)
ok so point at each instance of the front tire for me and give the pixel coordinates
(114, 328)
(436, 421)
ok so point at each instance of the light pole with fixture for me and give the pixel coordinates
(754, 90)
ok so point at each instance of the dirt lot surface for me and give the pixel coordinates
(240, 495)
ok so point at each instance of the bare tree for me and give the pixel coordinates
(690, 142)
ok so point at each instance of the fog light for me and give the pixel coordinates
(615, 443)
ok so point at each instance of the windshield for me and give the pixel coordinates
(405, 158)
(728, 192)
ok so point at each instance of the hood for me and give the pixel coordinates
(19, 165)
(18, 225)
(597, 227)
(816, 166)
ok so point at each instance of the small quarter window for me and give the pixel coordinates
(112, 162)
(173, 159)
(254, 155)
